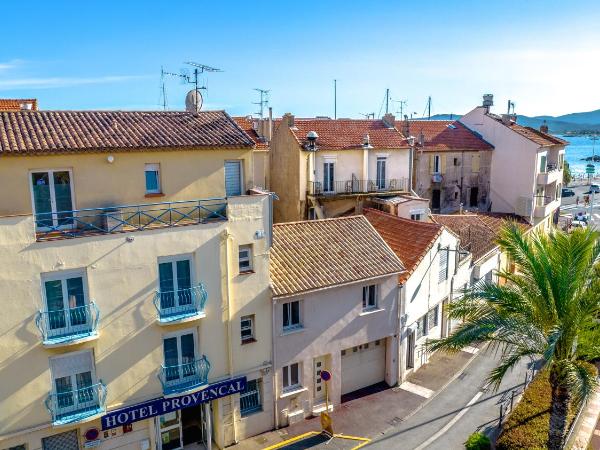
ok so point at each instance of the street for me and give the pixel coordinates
(569, 204)
(462, 408)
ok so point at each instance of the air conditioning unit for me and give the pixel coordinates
(112, 220)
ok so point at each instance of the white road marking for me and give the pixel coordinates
(469, 349)
(597, 216)
(416, 389)
(450, 424)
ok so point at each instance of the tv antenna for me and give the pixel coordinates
(163, 89)
(401, 104)
(428, 108)
(367, 116)
(198, 70)
(263, 102)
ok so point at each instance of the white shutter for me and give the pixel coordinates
(65, 366)
(233, 178)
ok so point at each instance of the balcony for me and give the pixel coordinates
(352, 187)
(76, 405)
(185, 377)
(552, 174)
(544, 206)
(180, 306)
(68, 326)
(119, 219)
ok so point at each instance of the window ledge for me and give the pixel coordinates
(246, 272)
(294, 391)
(154, 194)
(248, 341)
(251, 413)
(370, 311)
(295, 330)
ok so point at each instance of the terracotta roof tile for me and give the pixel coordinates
(42, 132)
(409, 239)
(446, 135)
(345, 134)
(318, 254)
(246, 124)
(14, 104)
(477, 232)
(537, 136)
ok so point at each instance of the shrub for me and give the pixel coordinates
(478, 441)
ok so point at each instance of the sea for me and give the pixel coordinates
(581, 147)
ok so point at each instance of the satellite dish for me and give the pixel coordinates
(193, 101)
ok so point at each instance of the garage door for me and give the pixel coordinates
(363, 366)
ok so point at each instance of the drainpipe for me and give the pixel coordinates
(400, 330)
(275, 370)
(226, 237)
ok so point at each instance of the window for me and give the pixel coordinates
(73, 379)
(328, 177)
(437, 163)
(558, 191)
(247, 329)
(543, 160)
(415, 216)
(152, 172)
(381, 162)
(180, 357)
(456, 161)
(291, 315)
(422, 327)
(488, 277)
(475, 163)
(291, 376)
(17, 447)
(312, 214)
(432, 317)
(250, 398)
(175, 282)
(443, 275)
(369, 297)
(66, 300)
(52, 198)
(561, 161)
(245, 258)
(233, 178)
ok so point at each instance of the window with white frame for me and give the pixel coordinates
(291, 377)
(66, 299)
(432, 317)
(180, 356)
(152, 173)
(415, 217)
(245, 258)
(380, 175)
(291, 316)
(443, 274)
(250, 398)
(369, 297)
(543, 163)
(175, 281)
(73, 379)
(247, 329)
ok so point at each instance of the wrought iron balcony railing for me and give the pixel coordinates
(173, 306)
(184, 377)
(76, 405)
(356, 186)
(65, 326)
(118, 219)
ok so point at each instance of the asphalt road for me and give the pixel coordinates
(569, 205)
(466, 405)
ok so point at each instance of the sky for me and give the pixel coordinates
(542, 55)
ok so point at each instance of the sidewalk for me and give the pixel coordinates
(379, 412)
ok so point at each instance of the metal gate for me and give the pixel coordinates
(62, 441)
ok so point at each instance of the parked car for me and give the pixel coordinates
(567, 192)
(595, 188)
(578, 224)
(580, 217)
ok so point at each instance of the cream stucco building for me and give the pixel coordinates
(136, 307)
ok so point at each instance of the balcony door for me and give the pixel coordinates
(52, 193)
(380, 176)
(328, 176)
(66, 304)
(175, 283)
(180, 357)
(73, 378)
(233, 178)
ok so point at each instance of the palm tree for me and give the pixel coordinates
(538, 313)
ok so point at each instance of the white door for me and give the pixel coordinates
(169, 431)
(52, 194)
(233, 178)
(319, 388)
(363, 366)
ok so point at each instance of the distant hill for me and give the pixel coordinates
(582, 122)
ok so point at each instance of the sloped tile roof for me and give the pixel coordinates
(537, 136)
(409, 239)
(318, 254)
(477, 232)
(345, 134)
(42, 132)
(446, 135)
(14, 104)
(245, 123)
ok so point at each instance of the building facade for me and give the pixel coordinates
(136, 308)
(335, 308)
(527, 165)
(323, 168)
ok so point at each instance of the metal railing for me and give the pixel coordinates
(66, 325)
(183, 377)
(117, 219)
(180, 304)
(356, 186)
(77, 404)
(250, 399)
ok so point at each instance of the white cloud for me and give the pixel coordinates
(8, 65)
(58, 82)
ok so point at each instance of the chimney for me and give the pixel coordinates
(421, 139)
(270, 129)
(288, 119)
(406, 126)
(544, 127)
(488, 101)
(507, 119)
(389, 120)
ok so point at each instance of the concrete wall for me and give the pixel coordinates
(261, 169)
(122, 277)
(333, 320)
(284, 169)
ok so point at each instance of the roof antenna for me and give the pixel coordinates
(193, 79)
(264, 100)
(334, 99)
(163, 89)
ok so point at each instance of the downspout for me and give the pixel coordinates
(275, 370)
(227, 236)
(401, 325)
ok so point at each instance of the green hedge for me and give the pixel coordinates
(528, 425)
(478, 441)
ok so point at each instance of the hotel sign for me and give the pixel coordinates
(163, 405)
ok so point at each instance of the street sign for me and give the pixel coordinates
(325, 375)
(590, 168)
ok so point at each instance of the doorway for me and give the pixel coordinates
(186, 429)
(436, 195)
(319, 388)
(474, 197)
(52, 193)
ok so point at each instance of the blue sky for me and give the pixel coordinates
(544, 55)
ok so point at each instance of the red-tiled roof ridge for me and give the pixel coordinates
(540, 138)
(14, 104)
(440, 136)
(247, 125)
(410, 248)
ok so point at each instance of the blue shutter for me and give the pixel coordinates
(233, 178)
